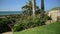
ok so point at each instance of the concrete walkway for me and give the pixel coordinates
(7, 33)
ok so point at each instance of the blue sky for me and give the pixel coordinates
(15, 5)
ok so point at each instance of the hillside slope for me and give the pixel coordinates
(46, 29)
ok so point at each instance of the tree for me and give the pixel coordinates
(27, 9)
(33, 6)
(42, 11)
(42, 8)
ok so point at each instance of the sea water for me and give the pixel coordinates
(10, 12)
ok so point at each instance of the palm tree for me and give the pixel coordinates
(42, 8)
(42, 11)
(33, 6)
(27, 9)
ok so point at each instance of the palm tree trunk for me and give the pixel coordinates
(42, 12)
(33, 6)
(42, 8)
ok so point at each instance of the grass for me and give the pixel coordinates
(46, 29)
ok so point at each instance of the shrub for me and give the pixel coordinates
(18, 27)
(27, 22)
(3, 25)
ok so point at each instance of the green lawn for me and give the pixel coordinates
(46, 29)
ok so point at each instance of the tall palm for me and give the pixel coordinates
(42, 12)
(42, 8)
(33, 6)
(27, 9)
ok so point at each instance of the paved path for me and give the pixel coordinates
(7, 33)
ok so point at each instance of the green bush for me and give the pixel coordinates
(17, 27)
(4, 25)
(5, 22)
(27, 22)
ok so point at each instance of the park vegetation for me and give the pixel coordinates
(25, 20)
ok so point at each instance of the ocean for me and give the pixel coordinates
(10, 12)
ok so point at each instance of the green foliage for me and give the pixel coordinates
(56, 8)
(46, 17)
(46, 29)
(27, 22)
(27, 9)
(5, 22)
(4, 25)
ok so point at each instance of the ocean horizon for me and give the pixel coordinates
(10, 12)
